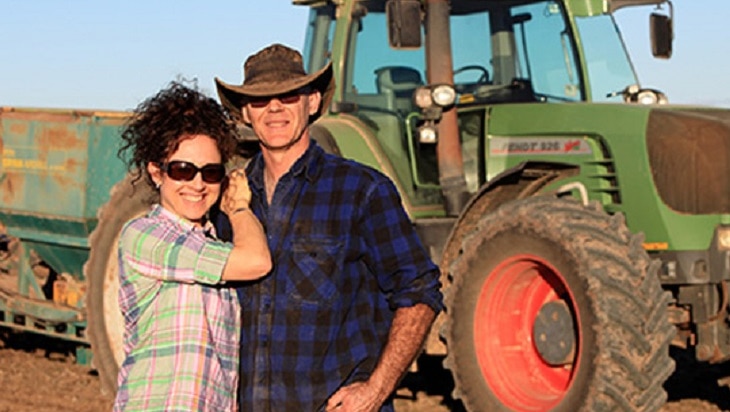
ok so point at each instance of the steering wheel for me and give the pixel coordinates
(484, 78)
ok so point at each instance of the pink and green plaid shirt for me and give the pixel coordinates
(182, 328)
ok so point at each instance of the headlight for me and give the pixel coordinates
(422, 97)
(441, 95)
(635, 94)
(427, 134)
(723, 238)
(444, 95)
(647, 97)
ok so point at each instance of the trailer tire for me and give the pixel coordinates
(105, 321)
(556, 306)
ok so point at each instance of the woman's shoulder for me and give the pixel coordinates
(150, 226)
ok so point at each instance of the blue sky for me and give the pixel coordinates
(111, 55)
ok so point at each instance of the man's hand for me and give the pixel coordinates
(357, 397)
(409, 329)
(237, 195)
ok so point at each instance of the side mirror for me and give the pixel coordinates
(404, 23)
(662, 34)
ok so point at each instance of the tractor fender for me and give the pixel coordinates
(518, 182)
(521, 181)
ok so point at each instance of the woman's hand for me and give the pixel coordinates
(237, 194)
(250, 258)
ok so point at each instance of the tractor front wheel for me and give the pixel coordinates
(556, 306)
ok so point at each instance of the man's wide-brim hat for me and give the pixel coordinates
(273, 71)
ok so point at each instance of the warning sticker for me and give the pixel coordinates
(504, 146)
(28, 160)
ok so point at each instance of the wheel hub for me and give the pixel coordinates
(553, 333)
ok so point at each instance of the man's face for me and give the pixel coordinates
(280, 120)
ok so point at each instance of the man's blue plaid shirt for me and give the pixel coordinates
(345, 257)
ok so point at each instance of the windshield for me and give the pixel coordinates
(609, 68)
(493, 45)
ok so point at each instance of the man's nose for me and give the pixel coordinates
(275, 104)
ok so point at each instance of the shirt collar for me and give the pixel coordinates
(309, 164)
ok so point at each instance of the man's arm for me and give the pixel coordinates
(407, 333)
(403, 269)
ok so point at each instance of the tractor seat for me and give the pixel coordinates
(398, 83)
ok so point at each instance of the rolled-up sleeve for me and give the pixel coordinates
(395, 253)
(156, 251)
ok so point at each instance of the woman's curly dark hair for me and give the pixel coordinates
(161, 122)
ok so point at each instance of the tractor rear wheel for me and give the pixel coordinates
(556, 306)
(106, 324)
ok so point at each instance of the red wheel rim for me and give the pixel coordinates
(508, 304)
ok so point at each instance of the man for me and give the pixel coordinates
(352, 293)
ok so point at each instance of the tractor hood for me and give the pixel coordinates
(689, 153)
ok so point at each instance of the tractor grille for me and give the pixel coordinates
(689, 152)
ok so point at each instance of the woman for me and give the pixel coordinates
(181, 337)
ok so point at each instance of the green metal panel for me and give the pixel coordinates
(586, 7)
(57, 169)
(622, 140)
(62, 257)
(103, 164)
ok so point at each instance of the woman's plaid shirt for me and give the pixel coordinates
(181, 329)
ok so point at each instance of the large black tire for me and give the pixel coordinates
(105, 322)
(556, 306)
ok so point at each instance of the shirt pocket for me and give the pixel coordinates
(317, 264)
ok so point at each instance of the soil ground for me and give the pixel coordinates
(39, 374)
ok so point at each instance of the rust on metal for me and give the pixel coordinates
(438, 54)
(10, 184)
(440, 71)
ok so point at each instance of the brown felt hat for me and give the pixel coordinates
(275, 70)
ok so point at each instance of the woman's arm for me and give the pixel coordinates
(250, 258)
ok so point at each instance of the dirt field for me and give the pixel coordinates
(40, 375)
(37, 375)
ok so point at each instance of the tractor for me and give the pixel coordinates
(580, 221)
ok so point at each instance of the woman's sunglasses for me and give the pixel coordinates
(186, 171)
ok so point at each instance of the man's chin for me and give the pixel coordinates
(278, 146)
(282, 144)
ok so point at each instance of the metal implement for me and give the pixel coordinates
(57, 169)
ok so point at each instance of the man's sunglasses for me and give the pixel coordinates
(260, 102)
(186, 171)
